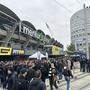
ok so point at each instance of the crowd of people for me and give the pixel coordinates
(85, 65)
(32, 74)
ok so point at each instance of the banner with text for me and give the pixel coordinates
(55, 50)
(18, 52)
(5, 51)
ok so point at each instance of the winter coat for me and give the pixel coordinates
(37, 84)
(21, 84)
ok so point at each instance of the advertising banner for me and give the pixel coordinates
(18, 52)
(40, 36)
(29, 52)
(27, 30)
(55, 50)
(5, 51)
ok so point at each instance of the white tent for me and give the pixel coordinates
(37, 55)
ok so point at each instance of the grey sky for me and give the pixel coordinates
(40, 11)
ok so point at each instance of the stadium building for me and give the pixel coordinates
(20, 35)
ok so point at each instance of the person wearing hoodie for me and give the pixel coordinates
(36, 83)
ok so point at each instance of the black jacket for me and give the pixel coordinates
(21, 84)
(67, 73)
(37, 84)
(30, 74)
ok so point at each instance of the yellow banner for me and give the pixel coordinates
(55, 50)
(5, 51)
(21, 51)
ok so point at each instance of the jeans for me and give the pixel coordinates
(60, 74)
(67, 78)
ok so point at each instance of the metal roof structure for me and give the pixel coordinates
(29, 24)
(9, 13)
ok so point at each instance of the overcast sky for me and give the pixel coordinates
(56, 15)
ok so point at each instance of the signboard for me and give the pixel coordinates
(55, 50)
(61, 51)
(40, 36)
(18, 52)
(28, 31)
(29, 52)
(5, 51)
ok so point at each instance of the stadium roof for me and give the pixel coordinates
(29, 24)
(9, 13)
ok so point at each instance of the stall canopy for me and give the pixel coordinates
(37, 55)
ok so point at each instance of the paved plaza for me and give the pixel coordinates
(81, 82)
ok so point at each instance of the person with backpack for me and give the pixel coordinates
(36, 83)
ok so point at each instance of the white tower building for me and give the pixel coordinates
(80, 30)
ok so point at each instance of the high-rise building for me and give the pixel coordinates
(80, 30)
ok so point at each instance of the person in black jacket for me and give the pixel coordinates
(9, 80)
(88, 65)
(67, 74)
(36, 83)
(30, 74)
(21, 83)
